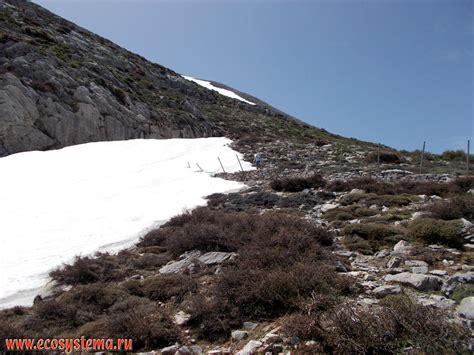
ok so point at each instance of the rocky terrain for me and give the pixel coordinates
(310, 259)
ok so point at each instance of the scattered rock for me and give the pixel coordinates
(328, 206)
(469, 246)
(181, 318)
(170, 350)
(382, 253)
(418, 215)
(250, 347)
(249, 326)
(466, 225)
(239, 334)
(437, 301)
(439, 272)
(402, 247)
(416, 263)
(196, 349)
(386, 290)
(194, 257)
(454, 281)
(394, 262)
(419, 281)
(340, 267)
(466, 308)
(270, 338)
(419, 269)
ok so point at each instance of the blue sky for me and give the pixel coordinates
(396, 72)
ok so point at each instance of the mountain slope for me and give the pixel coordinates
(62, 85)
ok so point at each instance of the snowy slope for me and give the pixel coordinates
(221, 91)
(96, 196)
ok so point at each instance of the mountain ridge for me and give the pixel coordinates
(63, 85)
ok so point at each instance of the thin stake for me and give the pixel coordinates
(199, 167)
(378, 155)
(189, 166)
(422, 156)
(468, 155)
(222, 166)
(239, 162)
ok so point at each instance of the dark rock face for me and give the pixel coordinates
(62, 85)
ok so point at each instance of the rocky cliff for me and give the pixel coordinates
(63, 85)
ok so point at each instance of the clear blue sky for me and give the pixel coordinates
(396, 72)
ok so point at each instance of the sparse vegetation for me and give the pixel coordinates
(385, 157)
(454, 208)
(396, 324)
(164, 287)
(62, 51)
(298, 184)
(434, 231)
(86, 270)
(369, 237)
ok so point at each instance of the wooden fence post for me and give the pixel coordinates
(222, 166)
(239, 162)
(468, 155)
(422, 156)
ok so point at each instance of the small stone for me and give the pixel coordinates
(416, 263)
(271, 338)
(196, 349)
(419, 269)
(250, 347)
(239, 334)
(448, 262)
(382, 253)
(418, 281)
(394, 262)
(402, 247)
(467, 267)
(466, 224)
(183, 351)
(466, 308)
(340, 267)
(249, 326)
(181, 318)
(386, 290)
(294, 340)
(439, 272)
(469, 246)
(437, 301)
(328, 206)
(417, 215)
(170, 350)
(369, 277)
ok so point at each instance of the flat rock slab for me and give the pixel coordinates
(419, 281)
(386, 290)
(187, 259)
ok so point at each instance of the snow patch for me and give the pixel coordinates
(97, 196)
(221, 91)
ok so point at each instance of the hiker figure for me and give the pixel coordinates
(258, 160)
